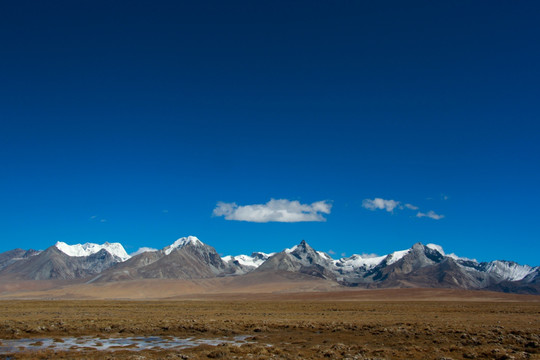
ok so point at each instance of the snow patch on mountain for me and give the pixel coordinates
(288, 251)
(509, 270)
(180, 243)
(396, 256)
(436, 248)
(452, 255)
(115, 249)
(324, 255)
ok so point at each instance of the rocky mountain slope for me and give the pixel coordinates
(55, 264)
(188, 258)
(9, 257)
(303, 259)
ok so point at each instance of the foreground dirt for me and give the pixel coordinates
(290, 328)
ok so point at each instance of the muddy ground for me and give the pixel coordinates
(286, 329)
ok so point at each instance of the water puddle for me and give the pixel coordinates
(111, 344)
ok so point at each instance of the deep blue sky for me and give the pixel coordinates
(128, 121)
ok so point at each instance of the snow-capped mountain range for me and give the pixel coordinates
(189, 258)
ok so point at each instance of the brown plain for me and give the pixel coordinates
(373, 324)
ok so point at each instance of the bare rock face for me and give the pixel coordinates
(302, 259)
(128, 270)
(9, 257)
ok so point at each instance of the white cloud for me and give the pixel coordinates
(430, 214)
(331, 252)
(368, 256)
(412, 207)
(281, 210)
(143, 250)
(380, 204)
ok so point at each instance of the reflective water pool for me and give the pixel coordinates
(111, 344)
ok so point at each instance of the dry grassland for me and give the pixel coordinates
(288, 329)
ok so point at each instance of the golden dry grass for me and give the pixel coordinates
(295, 326)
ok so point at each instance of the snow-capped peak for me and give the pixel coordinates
(180, 243)
(115, 249)
(304, 247)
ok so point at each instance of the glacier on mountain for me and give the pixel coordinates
(509, 270)
(253, 261)
(358, 261)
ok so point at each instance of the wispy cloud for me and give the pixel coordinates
(369, 256)
(430, 214)
(391, 205)
(281, 210)
(98, 219)
(143, 250)
(380, 204)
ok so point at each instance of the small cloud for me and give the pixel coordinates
(343, 254)
(331, 252)
(410, 206)
(143, 250)
(93, 217)
(444, 197)
(380, 204)
(103, 220)
(165, 211)
(430, 214)
(281, 210)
